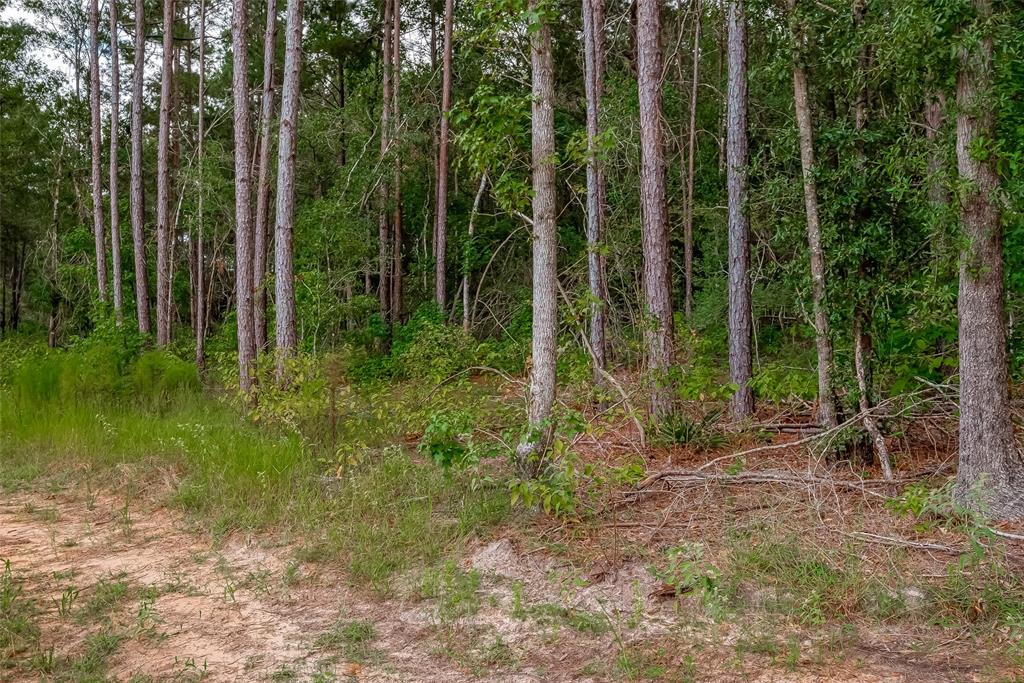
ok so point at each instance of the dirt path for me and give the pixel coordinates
(126, 591)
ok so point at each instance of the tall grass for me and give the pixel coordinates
(95, 413)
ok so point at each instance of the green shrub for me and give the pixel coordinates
(429, 348)
(158, 375)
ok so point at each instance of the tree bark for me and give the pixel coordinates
(138, 199)
(244, 244)
(441, 209)
(396, 190)
(97, 182)
(115, 209)
(164, 230)
(284, 275)
(991, 473)
(861, 354)
(52, 259)
(938, 189)
(691, 156)
(262, 226)
(383, 193)
(531, 450)
(740, 314)
(467, 310)
(827, 416)
(593, 49)
(201, 294)
(657, 280)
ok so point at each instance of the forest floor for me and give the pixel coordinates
(100, 585)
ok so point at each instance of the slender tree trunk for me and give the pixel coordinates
(262, 226)
(593, 49)
(201, 294)
(138, 200)
(384, 223)
(396, 190)
(691, 156)
(441, 209)
(53, 256)
(938, 190)
(164, 230)
(467, 311)
(342, 138)
(861, 353)
(284, 293)
(827, 416)
(657, 279)
(991, 473)
(862, 313)
(740, 314)
(244, 243)
(535, 444)
(115, 209)
(97, 181)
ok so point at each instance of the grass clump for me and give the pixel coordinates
(455, 590)
(19, 632)
(353, 640)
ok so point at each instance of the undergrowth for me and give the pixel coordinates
(333, 472)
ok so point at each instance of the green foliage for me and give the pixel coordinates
(780, 383)
(686, 569)
(702, 433)
(447, 439)
(160, 375)
(428, 348)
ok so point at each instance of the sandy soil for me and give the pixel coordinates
(243, 610)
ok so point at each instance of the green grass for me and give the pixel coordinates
(353, 640)
(19, 632)
(384, 512)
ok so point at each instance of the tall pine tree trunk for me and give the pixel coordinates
(740, 313)
(138, 200)
(262, 227)
(115, 209)
(284, 292)
(657, 279)
(991, 473)
(164, 230)
(383, 193)
(691, 157)
(593, 49)
(441, 210)
(244, 244)
(827, 416)
(97, 181)
(535, 444)
(201, 294)
(396, 189)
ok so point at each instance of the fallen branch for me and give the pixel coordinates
(696, 477)
(900, 542)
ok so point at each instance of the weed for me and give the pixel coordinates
(292, 573)
(106, 596)
(686, 569)
(19, 632)
(454, 590)
(352, 639)
(67, 600)
(702, 433)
